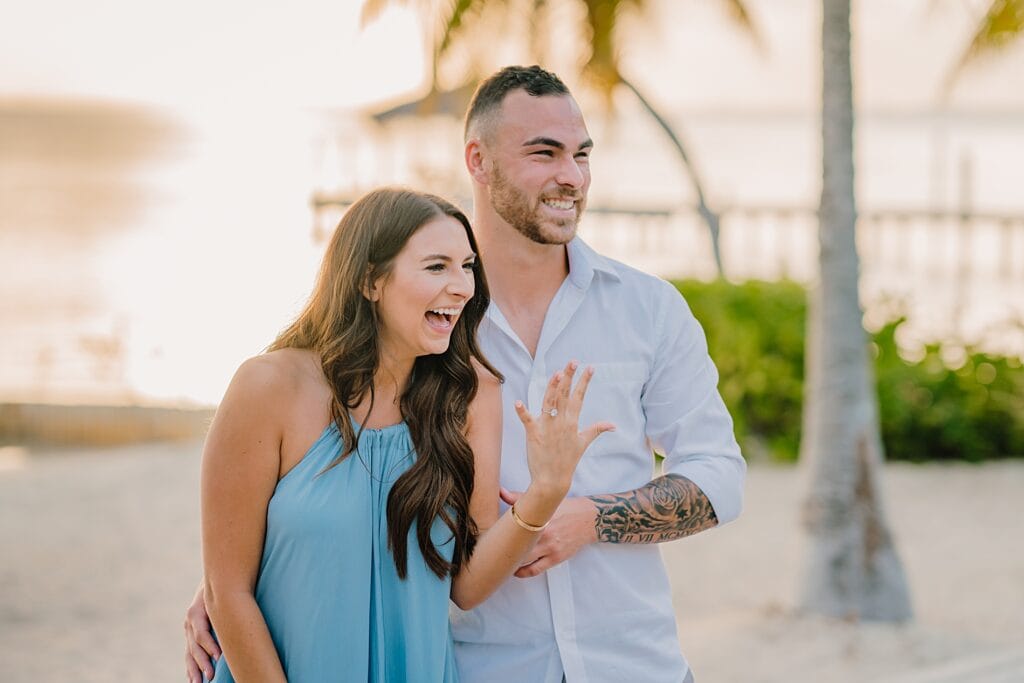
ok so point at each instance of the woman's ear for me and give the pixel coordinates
(371, 285)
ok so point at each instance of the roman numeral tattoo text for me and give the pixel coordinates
(668, 508)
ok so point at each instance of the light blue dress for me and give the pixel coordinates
(327, 585)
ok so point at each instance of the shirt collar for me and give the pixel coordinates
(584, 262)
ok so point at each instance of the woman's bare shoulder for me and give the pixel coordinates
(275, 376)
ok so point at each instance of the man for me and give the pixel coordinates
(592, 602)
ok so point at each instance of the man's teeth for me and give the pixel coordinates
(563, 204)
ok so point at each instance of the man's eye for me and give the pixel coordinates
(545, 152)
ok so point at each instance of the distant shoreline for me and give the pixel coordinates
(99, 425)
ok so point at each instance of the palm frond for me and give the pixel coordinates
(741, 15)
(602, 66)
(538, 16)
(454, 22)
(372, 9)
(1002, 24)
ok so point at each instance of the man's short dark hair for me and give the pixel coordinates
(491, 92)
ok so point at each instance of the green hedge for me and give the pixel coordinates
(929, 409)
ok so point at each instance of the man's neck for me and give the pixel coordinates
(523, 276)
(520, 272)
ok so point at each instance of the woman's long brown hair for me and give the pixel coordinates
(340, 324)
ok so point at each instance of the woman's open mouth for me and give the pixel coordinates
(442, 319)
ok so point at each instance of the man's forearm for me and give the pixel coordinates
(667, 508)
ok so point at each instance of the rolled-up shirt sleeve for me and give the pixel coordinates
(687, 420)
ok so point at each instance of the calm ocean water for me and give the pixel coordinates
(144, 256)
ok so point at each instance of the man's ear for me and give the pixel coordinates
(476, 161)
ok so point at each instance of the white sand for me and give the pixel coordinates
(99, 554)
(960, 533)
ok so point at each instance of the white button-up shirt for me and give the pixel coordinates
(606, 613)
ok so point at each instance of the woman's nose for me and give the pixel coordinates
(461, 284)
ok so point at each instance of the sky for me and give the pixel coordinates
(198, 54)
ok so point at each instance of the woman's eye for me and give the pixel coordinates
(469, 266)
(436, 267)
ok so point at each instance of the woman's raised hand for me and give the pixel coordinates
(554, 441)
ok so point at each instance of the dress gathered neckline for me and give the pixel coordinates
(327, 585)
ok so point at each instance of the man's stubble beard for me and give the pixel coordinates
(512, 205)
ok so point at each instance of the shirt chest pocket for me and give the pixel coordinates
(629, 372)
(614, 395)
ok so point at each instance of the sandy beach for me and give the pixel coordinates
(101, 555)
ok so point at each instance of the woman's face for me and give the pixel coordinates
(420, 300)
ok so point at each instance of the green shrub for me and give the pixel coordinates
(755, 334)
(932, 411)
(929, 409)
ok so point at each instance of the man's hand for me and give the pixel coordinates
(571, 528)
(199, 643)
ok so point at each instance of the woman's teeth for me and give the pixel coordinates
(442, 317)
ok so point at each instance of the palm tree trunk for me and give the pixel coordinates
(852, 568)
(710, 217)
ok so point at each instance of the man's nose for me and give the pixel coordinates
(570, 174)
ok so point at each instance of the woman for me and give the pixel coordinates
(350, 477)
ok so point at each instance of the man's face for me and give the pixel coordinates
(540, 174)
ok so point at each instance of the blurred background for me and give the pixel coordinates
(169, 176)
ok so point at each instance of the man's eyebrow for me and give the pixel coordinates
(558, 144)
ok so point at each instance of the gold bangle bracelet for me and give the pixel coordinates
(529, 527)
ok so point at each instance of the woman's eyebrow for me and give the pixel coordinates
(443, 257)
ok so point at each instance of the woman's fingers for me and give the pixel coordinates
(566, 384)
(562, 402)
(593, 431)
(581, 387)
(524, 415)
(550, 401)
(556, 396)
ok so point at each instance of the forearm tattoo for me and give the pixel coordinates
(668, 508)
